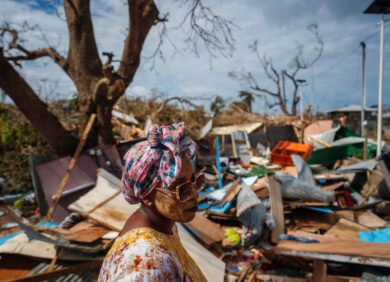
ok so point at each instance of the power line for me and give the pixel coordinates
(350, 53)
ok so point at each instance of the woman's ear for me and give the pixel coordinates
(148, 201)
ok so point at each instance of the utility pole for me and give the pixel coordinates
(300, 82)
(363, 121)
(380, 94)
(380, 7)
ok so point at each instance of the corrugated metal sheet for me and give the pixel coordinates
(88, 276)
(224, 130)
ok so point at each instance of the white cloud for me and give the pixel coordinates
(278, 25)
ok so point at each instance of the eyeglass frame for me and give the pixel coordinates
(176, 192)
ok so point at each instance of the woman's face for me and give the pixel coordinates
(174, 209)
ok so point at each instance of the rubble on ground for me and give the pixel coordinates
(283, 201)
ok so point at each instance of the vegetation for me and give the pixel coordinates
(18, 138)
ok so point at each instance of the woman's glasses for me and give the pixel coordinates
(185, 190)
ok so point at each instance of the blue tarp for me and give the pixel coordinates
(377, 236)
(46, 224)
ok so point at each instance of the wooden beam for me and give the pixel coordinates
(275, 195)
(320, 141)
(70, 167)
(319, 270)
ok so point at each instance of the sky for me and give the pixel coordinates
(279, 26)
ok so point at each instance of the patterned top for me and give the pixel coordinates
(144, 254)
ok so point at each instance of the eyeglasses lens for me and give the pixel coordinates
(185, 191)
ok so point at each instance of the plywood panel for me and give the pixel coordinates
(208, 231)
(336, 246)
(346, 229)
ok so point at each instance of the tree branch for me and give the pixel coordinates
(164, 103)
(215, 34)
(31, 55)
(83, 57)
(143, 14)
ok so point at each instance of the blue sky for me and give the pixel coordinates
(279, 26)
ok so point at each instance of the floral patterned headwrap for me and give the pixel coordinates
(157, 160)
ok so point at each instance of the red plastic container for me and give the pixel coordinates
(282, 152)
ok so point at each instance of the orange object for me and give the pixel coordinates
(282, 152)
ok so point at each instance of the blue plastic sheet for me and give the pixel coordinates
(296, 238)
(377, 236)
(43, 223)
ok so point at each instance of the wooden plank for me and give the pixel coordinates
(371, 220)
(347, 214)
(262, 193)
(319, 270)
(276, 209)
(231, 193)
(208, 231)
(346, 229)
(88, 235)
(310, 218)
(335, 246)
(60, 272)
(335, 257)
(320, 141)
(333, 186)
(16, 266)
(233, 145)
(113, 213)
(70, 167)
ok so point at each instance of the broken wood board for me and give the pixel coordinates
(208, 231)
(370, 219)
(291, 170)
(15, 266)
(333, 186)
(346, 229)
(231, 193)
(347, 214)
(276, 209)
(87, 235)
(319, 270)
(311, 218)
(262, 193)
(113, 213)
(330, 176)
(336, 246)
(212, 267)
(22, 245)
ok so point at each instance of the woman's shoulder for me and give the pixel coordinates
(139, 251)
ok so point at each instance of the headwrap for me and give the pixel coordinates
(157, 160)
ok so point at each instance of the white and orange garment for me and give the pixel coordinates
(144, 254)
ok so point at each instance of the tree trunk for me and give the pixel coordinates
(104, 116)
(62, 142)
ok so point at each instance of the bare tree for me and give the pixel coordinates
(99, 85)
(285, 81)
(165, 102)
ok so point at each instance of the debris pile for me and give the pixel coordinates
(272, 208)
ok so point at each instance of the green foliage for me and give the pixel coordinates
(17, 138)
(247, 99)
(217, 105)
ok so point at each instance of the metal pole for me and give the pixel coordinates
(219, 162)
(362, 132)
(380, 91)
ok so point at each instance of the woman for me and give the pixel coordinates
(158, 174)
